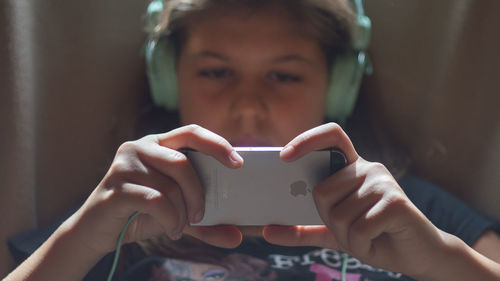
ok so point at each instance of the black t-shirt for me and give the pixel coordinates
(255, 259)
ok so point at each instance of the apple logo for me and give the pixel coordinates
(298, 188)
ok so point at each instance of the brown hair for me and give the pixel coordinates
(328, 21)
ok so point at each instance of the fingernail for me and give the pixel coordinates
(177, 236)
(198, 216)
(235, 157)
(287, 149)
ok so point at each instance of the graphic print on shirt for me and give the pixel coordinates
(234, 267)
(317, 265)
(327, 264)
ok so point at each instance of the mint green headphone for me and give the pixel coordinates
(346, 74)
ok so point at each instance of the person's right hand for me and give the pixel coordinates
(151, 176)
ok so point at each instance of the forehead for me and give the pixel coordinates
(269, 30)
(270, 13)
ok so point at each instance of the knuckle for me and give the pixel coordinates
(198, 133)
(343, 246)
(319, 193)
(109, 195)
(128, 147)
(126, 168)
(153, 196)
(138, 229)
(158, 201)
(358, 231)
(338, 218)
(223, 144)
(113, 193)
(176, 223)
(133, 232)
(178, 159)
(152, 138)
(173, 191)
(193, 133)
(321, 197)
(386, 180)
(303, 138)
(396, 202)
(333, 130)
(377, 167)
(121, 168)
(333, 127)
(380, 186)
(358, 234)
(193, 129)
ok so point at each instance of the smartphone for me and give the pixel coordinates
(265, 190)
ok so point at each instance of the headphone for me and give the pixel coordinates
(345, 80)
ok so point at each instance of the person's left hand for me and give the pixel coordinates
(365, 212)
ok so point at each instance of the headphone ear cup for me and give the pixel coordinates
(349, 68)
(161, 71)
(345, 81)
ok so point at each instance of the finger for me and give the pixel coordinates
(175, 165)
(202, 140)
(297, 235)
(386, 216)
(321, 137)
(173, 192)
(342, 216)
(338, 186)
(150, 201)
(332, 192)
(144, 226)
(225, 236)
(137, 172)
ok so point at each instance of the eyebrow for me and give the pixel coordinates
(281, 59)
(291, 58)
(211, 54)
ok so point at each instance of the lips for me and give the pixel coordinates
(250, 141)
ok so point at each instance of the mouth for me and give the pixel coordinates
(250, 141)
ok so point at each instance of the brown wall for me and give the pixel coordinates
(72, 78)
(435, 87)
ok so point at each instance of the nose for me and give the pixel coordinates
(249, 102)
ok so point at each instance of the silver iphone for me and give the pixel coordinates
(265, 190)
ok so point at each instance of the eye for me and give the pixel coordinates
(217, 276)
(214, 274)
(284, 77)
(215, 73)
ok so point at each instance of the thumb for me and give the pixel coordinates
(224, 236)
(300, 235)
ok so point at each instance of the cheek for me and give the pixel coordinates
(308, 106)
(294, 117)
(196, 105)
(195, 109)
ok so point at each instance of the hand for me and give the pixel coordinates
(151, 176)
(366, 213)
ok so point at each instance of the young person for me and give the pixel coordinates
(256, 73)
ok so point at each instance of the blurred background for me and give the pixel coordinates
(72, 83)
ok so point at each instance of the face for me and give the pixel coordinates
(251, 78)
(189, 271)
